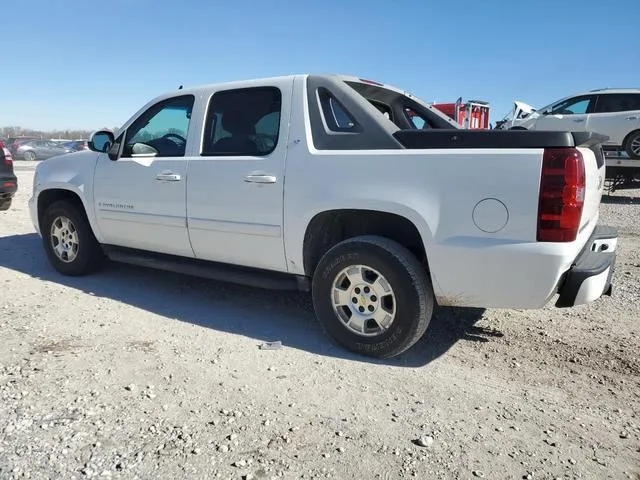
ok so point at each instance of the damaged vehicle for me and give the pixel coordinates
(614, 113)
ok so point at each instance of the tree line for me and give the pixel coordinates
(70, 134)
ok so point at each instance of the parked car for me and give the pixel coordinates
(40, 150)
(14, 142)
(611, 112)
(76, 145)
(380, 220)
(8, 180)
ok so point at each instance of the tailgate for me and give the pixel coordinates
(590, 146)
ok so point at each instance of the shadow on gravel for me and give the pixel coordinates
(622, 200)
(260, 314)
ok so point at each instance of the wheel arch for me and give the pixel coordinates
(54, 194)
(327, 228)
(626, 138)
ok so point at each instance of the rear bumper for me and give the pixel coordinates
(591, 274)
(8, 187)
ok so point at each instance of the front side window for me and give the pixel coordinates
(243, 121)
(162, 130)
(573, 106)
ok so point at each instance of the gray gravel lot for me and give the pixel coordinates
(132, 373)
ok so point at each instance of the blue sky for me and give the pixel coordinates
(78, 64)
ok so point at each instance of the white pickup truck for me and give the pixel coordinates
(351, 189)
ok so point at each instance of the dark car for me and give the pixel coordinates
(8, 180)
(76, 145)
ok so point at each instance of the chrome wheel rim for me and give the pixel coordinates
(64, 239)
(363, 300)
(635, 146)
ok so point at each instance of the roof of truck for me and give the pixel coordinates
(262, 80)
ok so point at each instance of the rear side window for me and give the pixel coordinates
(618, 102)
(243, 121)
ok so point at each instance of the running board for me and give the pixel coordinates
(222, 272)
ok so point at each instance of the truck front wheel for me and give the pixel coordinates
(372, 296)
(71, 247)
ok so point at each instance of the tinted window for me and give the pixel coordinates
(618, 102)
(573, 106)
(336, 116)
(161, 130)
(243, 122)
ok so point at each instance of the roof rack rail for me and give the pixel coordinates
(614, 88)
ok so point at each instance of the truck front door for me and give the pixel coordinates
(140, 198)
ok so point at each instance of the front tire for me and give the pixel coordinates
(372, 296)
(632, 145)
(68, 240)
(29, 155)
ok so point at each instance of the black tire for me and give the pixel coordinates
(5, 205)
(89, 255)
(414, 297)
(29, 155)
(628, 144)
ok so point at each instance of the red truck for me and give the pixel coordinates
(473, 114)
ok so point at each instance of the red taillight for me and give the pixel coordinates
(9, 184)
(561, 199)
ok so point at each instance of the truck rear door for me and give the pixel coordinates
(236, 181)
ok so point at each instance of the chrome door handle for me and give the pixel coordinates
(168, 177)
(260, 179)
(631, 118)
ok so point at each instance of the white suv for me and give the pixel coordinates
(611, 112)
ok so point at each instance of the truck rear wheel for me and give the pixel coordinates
(69, 243)
(372, 296)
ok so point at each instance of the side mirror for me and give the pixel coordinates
(101, 141)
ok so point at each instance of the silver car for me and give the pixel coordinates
(40, 150)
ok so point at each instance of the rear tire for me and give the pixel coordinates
(68, 240)
(5, 205)
(29, 156)
(372, 296)
(632, 145)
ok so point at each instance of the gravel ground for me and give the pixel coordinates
(132, 373)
